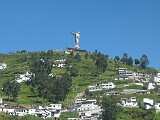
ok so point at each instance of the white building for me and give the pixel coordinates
(59, 63)
(20, 112)
(31, 111)
(157, 107)
(155, 79)
(96, 87)
(103, 86)
(3, 66)
(90, 114)
(130, 102)
(151, 86)
(23, 77)
(122, 71)
(54, 107)
(147, 103)
(108, 85)
(85, 106)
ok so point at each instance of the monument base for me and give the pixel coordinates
(75, 51)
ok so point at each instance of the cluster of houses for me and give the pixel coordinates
(123, 74)
(3, 66)
(146, 103)
(128, 91)
(153, 81)
(23, 77)
(88, 109)
(53, 110)
(59, 63)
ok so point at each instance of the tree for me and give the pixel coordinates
(136, 61)
(130, 61)
(7, 88)
(110, 108)
(43, 85)
(144, 61)
(78, 57)
(23, 51)
(74, 71)
(86, 55)
(101, 63)
(11, 89)
(86, 92)
(125, 58)
(93, 56)
(15, 88)
(49, 54)
(116, 59)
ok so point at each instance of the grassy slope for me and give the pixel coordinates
(86, 75)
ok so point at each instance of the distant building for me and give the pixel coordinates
(157, 107)
(23, 77)
(155, 79)
(103, 86)
(147, 103)
(129, 102)
(123, 74)
(75, 51)
(82, 104)
(151, 86)
(3, 66)
(59, 63)
(122, 71)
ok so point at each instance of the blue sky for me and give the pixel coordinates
(112, 27)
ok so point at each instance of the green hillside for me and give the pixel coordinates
(85, 66)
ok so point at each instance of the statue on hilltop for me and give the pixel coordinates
(77, 37)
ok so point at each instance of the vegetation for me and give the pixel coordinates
(28, 117)
(101, 62)
(110, 108)
(144, 61)
(11, 89)
(61, 85)
(44, 85)
(66, 115)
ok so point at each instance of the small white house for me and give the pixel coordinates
(57, 114)
(86, 106)
(61, 65)
(31, 111)
(54, 107)
(3, 66)
(104, 86)
(130, 102)
(96, 87)
(82, 104)
(147, 103)
(155, 79)
(23, 77)
(90, 114)
(108, 85)
(151, 86)
(10, 111)
(80, 100)
(157, 107)
(21, 112)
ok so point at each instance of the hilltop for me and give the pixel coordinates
(82, 71)
(87, 73)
